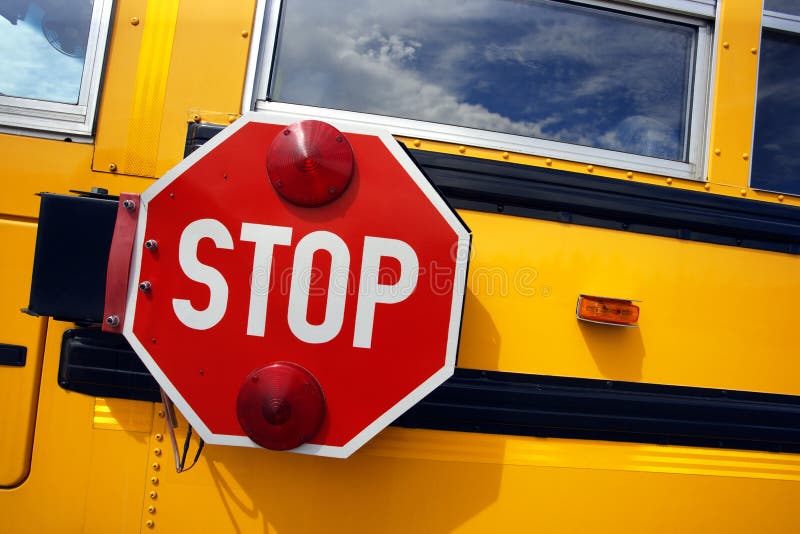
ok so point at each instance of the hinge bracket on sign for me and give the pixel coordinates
(119, 262)
(172, 424)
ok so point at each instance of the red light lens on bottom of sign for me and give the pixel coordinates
(280, 406)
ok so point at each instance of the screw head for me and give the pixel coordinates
(134, 21)
(112, 320)
(129, 205)
(112, 167)
(151, 244)
(145, 286)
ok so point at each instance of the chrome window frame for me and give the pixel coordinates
(42, 118)
(698, 13)
(770, 20)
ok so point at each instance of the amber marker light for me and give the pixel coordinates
(606, 310)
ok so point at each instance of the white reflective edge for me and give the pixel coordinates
(260, 61)
(772, 20)
(31, 115)
(460, 279)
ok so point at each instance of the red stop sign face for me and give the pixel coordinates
(365, 293)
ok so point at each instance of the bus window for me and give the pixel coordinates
(776, 140)
(52, 51)
(562, 73)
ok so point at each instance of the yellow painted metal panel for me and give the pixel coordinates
(209, 59)
(734, 91)
(428, 481)
(19, 386)
(81, 479)
(32, 165)
(711, 315)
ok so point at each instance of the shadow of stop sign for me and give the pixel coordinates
(306, 284)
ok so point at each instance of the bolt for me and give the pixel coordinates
(112, 320)
(153, 495)
(151, 509)
(159, 437)
(134, 21)
(154, 480)
(287, 131)
(151, 244)
(150, 523)
(145, 286)
(172, 195)
(196, 117)
(129, 205)
(112, 167)
(157, 451)
(156, 466)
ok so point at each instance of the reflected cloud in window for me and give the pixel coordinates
(534, 68)
(42, 48)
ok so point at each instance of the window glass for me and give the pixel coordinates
(536, 68)
(776, 151)
(791, 7)
(42, 48)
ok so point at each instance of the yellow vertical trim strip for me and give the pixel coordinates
(738, 46)
(144, 128)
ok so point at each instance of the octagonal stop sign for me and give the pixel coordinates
(296, 284)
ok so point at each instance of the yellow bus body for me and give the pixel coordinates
(713, 316)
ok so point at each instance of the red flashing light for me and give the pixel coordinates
(280, 406)
(310, 163)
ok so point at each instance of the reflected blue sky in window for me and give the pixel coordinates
(784, 6)
(32, 67)
(536, 68)
(776, 150)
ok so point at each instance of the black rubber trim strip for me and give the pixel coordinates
(533, 405)
(567, 197)
(13, 355)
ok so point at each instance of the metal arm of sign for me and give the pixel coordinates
(119, 262)
(172, 424)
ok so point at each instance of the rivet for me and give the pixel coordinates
(151, 244)
(630, 174)
(548, 161)
(462, 149)
(726, 44)
(232, 118)
(196, 117)
(669, 181)
(157, 451)
(112, 320)
(745, 155)
(590, 168)
(245, 33)
(134, 21)
(112, 167)
(707, 186)
(743, 192)
(129, 205)
(154, 480)
(717, 151)
(153, 495)
(505, 155)
(156, 466)
(417, 142)
(780, 198)
(172, 195)
(159, 437)
(754, 50)
(151, 509)
(150, 523)
(160, 412)
(287, 131)
(145, 286)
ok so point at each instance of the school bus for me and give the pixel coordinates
(644, 151)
